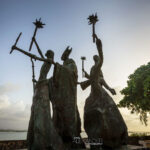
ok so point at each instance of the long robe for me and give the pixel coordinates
(102, 118)
(64, 101)
(42, 134)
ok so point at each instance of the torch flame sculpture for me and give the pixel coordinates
(92, 20)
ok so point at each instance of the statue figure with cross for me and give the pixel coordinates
(61, 90)
(42, 134)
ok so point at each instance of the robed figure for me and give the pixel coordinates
(64, 100)
(42, 134)
(102, 118)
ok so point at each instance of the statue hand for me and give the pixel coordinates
(95, 36)
(34, 57)
(13, 47)
(68, 48)
(113, 92)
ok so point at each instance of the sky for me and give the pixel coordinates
(123, 27)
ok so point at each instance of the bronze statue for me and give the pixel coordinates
(62, 93)
(64, 100)
(102, 118)
(42, 134)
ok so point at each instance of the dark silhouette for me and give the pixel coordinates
(65, 111)
(102, 118)
(42, 134)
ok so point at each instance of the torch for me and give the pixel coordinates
(38, 24)
(92, 20)
(83, 59)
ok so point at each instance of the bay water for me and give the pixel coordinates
(4, 136)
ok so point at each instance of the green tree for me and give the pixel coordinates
(137, 93)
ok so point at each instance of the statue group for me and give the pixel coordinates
(102, 119)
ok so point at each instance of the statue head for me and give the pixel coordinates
(66, 53)
(96, 58)
(49, 54)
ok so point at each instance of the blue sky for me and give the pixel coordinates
(124, 29)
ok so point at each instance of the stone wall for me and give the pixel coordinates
(13, 144)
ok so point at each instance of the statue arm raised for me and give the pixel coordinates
(100, 51)
(33, 56)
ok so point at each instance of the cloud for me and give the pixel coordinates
(4, 102)
(13, 115)
(8, 87)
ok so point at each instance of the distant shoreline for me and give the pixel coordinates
(10, 130)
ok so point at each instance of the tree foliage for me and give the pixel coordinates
(137, 93)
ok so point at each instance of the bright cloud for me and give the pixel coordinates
(8, 87)
(13, 115)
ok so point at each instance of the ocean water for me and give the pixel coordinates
(13, 136)
(20, 135)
